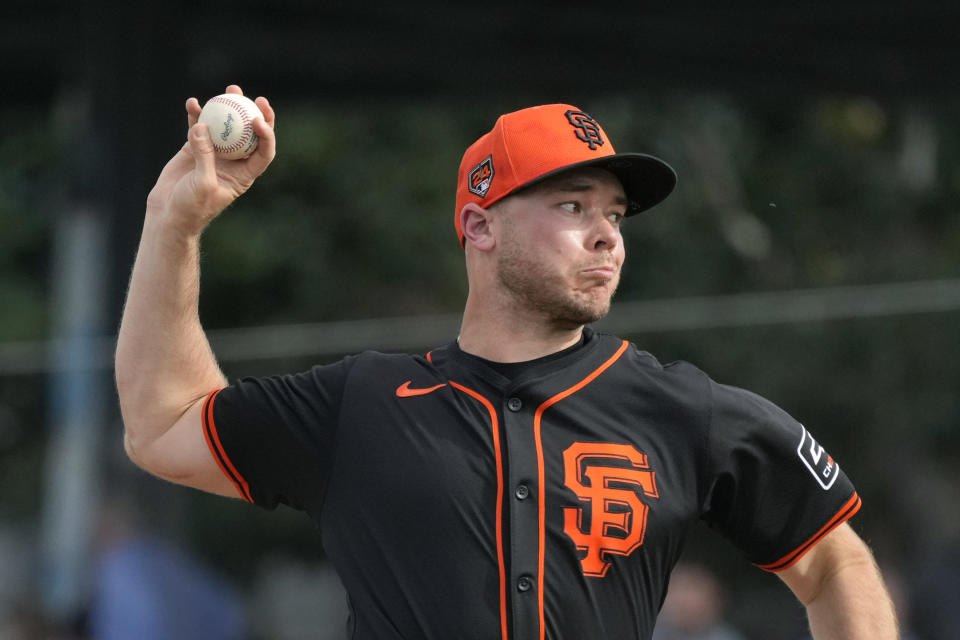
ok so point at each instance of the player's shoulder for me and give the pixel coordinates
(683, 377)
(650, 364)
(382, 357)
(378, 364)
(360, 367)
(372, 360)
(674, 381)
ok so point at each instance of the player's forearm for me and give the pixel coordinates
(163, 360)
(852, 604)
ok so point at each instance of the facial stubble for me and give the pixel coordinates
(545, 292)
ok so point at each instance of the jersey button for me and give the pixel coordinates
(514, 404)
(522, 492)
(524, 584)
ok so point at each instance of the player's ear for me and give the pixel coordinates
(475, 221)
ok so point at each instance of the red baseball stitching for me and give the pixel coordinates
(247, 134)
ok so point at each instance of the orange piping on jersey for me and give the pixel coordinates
(494, 425)
(430, 357)
(540, 471)
(216, 448)
(846, 511)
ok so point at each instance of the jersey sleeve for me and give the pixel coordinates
(774, 491)
(273, 436)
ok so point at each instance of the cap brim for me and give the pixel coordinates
(647, 180)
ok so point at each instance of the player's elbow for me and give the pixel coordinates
(136, 449)
(130, 448)
(132, 413)
(147, 456)
(143, 427)
(168, 442)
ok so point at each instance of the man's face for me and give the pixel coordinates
(560, 249)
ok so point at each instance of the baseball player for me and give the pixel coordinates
(529, 479)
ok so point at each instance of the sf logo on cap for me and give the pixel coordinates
(587, 129)
(478, 182)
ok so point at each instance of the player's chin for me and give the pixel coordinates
(600, 305)
(587, 310)
(598, 294)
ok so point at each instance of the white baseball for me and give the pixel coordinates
(230, 119)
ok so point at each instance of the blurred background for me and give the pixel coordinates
(811, 253)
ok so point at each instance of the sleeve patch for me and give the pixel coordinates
(820, 463)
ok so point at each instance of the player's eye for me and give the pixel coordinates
(616, 217)
(572, 207)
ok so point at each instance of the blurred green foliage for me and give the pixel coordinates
(30, 165)
(353, 220)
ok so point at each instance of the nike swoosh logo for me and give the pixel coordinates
(405, 391)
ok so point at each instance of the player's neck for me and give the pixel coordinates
(497, 348)
(490, 333)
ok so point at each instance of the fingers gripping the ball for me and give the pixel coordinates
(195, 186)
(198, 183)
(264, 128)
(239, 129)
(267, 110)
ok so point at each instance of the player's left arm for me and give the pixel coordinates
(841, 587)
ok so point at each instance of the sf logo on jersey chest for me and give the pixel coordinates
(608, 480)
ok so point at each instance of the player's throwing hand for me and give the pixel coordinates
(195, 186)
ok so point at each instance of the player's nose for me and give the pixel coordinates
(605, 232)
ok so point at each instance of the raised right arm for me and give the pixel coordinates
(164, 365)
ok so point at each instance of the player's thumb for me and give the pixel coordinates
(201, 146)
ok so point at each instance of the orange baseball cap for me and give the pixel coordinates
(527, 146)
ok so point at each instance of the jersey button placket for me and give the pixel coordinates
(523, 511)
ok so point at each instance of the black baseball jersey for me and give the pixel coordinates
(459, 498)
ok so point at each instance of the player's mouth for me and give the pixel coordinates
(600, 272)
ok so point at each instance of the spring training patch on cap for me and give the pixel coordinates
(587, 129)
(480, 178)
